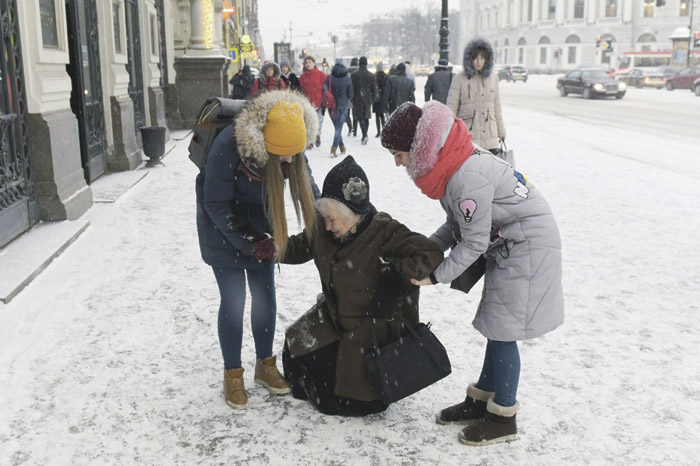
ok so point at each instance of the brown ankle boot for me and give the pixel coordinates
(470, 410)
(334, 149)
(342, 149)
(267, 375)
(497, 426)
(234, 389)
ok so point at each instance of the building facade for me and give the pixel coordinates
(80, 78)
(564, 34)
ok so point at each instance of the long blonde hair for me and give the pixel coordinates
(302, 199)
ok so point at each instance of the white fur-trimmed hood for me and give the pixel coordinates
(253, 118)
(432, 130)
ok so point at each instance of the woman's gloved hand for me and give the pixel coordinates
(264, 249)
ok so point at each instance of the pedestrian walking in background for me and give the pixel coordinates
(352, 124)
(330, 372)
(325, 67)
(438, 85)
(379, 108)
(340, 83)
(288, 76)
(494, 215)
(365, 93)
(399, 89)
(270, 79)
(409, 71)
(311, 85)
(242, 83)
(242, 226)
(474, 96)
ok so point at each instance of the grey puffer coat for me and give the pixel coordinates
(474, 97)
(497, 212)
(493, 210)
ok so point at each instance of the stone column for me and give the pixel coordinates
(197, 39)
(218, 26)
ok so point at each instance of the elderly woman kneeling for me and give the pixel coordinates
(365, 260)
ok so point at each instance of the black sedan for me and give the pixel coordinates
(590, 83)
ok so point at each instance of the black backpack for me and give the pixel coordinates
(216, 114)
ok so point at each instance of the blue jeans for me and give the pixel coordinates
(501, 371)
(263, 312)
(319, 112)
(341, 114)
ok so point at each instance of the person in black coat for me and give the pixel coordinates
(352, 125)
(242, 84)
(399, 89)
(378, 108)
(365, 94)
(438, 85)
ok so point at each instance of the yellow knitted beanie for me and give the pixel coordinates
(285, 131)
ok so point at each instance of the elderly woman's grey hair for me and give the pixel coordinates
(325, 202)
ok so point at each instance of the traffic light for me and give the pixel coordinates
(597, 41)
(660, 2)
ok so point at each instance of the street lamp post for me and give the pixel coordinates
(691, 36)
(444, 32)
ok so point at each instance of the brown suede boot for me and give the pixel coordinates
(267, 375)
(334, 149)
(470, 410)
(497, 426)
(342, 149)
(234, 389)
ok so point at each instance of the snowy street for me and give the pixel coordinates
(111, 356)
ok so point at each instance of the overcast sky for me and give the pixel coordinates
(324, 16)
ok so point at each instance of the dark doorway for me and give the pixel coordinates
(86, 95)
(134, 67)
(18, 206)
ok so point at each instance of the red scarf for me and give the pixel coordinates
(457, 149)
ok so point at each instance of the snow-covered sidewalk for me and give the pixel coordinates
(111, 355)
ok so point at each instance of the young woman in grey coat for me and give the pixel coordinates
(494, 215)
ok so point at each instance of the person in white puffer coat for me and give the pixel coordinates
(496, 220)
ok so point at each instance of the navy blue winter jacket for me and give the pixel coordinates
(223, 188)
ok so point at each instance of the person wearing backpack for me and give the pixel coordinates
(242, 84)
(340, 84)
(270, 80)
(242, 227)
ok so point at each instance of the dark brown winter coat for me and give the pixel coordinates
(350, 277)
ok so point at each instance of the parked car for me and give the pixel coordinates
(684, 79)
(513, 73)
(590, 83)
(644, 77)
(422, 70)
(696, 87)
(667, 71)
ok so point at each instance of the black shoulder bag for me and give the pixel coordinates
(407, 365)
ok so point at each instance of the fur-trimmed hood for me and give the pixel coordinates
(252, 119)
(470, 52)
(432, 130)
(273, 65)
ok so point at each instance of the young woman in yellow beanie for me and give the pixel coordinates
(242, 227)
